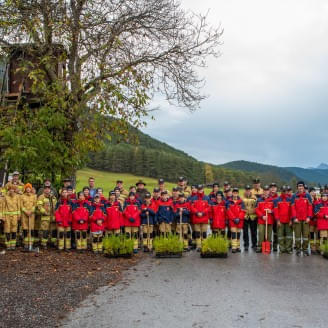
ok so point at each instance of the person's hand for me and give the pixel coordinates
(278, 223)
(99, 222)
(296, 221)
(199, 214)
(307, 220)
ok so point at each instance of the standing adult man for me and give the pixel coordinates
(257, 191)
(162, 187)
(28, 208)
(12, 215)
(123, 192)
(46, 204)
(92, 187)
(302, 212)
(250, 222)
(16, 182)
(47, 183)
(141, 190)
(182, 186)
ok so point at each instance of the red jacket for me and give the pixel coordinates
(63, 213)
(97, 217)
(219, 215)
(131, 214)
(262, 205)
(236, 210)
(114, 217)
(302, 206)
(321, 211)
(316, 202)
(200, 204)
(80, 215)
(283, 209)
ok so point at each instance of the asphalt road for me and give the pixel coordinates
(245, 290)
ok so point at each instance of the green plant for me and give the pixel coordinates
(117, 245)
(215, 245)
(324, 248)
(170, 244)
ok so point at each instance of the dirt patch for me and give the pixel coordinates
(38, 290)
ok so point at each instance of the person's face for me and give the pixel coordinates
(300, 189)
(156, 194)
(226, 187)
(112, 198)
(64, 194)
(86, 192)
(257, 185)
(15, 177)
(117, 193)
(247, 192)
(141, 186)
(97, 200)
(219, 198)
(266, 193)
(91, 183)
(181, 183)
(215, 188)
(67, 183)
(312, 193)
(69, 191)
(46, 190)
(165, 197)
(133, 189)
(100, 192)
(229, 193)
(33, 191)
(119, 184)
(324, 198)
(132, 198)
(182, 199)
(273, 190)
(193, 190)
(28, 190)
(175, 194)
(200, 191)
(235, 194)
(81, 197)
(148, 200)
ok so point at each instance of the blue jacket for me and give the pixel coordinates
(165, 212)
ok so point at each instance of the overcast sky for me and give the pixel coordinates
(268, 92)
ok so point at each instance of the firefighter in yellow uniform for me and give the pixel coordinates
(16, 182)
(46, 204)
(257, 191)
(12, 213)
(28, 208)
(2, 219)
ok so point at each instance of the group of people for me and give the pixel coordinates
(84, 218)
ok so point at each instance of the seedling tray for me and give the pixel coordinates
(169, 255)
(214, 255)
(325, 255)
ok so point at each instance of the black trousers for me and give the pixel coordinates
(252, 225)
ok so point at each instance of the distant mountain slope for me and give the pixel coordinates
(277, 174)
(323, 166)
(311, 175)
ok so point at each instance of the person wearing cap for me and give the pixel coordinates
(47, 182)
(290, 191)
(257, 191)
(213, 193)
(63, 216)
(274, 195)
(302, 212)
(92, 187)
(265, 214)
(156, 195)
(114, 216)
(12, 214)
(86, 193)
(123, 192)
(131, 219)
(175, 199)
(165, 214)
(321, 213)
(67, 183)
(182, 186)
(148, 220)
(236, 215)
(227, 192)
(16, 182)
(314, 234)
(226, 186)
(282, 215)
(46, 204)
(141, 190)
(28, 207)
(103, 199)
(161, 187)
(182, 210)
(250, 222)
(80, 221)
(97, 224)
(219, 215)
(71, 195)
(201, 210)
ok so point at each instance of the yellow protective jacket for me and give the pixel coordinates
(12, 205)
(19, 185)
(2, 202)
(257, 192)
(46, 207)
(28, 203)
(250, 205)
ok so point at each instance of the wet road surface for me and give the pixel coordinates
(245, 290)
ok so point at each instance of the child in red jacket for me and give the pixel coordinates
(97, 224)
(219, 215)
(81, 211)
(114, 219)
(236, 214)
(321, 212)
(131, 219)
(63, 216)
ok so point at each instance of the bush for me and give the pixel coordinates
(215, 245)
(170, 244)
(117, 245)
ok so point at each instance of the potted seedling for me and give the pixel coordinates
(117, 246)
(170, 246)
(214, 246)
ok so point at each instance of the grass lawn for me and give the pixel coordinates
(107, 180)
